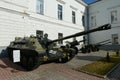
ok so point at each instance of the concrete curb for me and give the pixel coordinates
(93, 74)
(100, 76)
(111, 70)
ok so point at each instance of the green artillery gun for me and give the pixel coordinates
(94, 47)
(31, 51)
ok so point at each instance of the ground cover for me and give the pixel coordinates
(102, 66)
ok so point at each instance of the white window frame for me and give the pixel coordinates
(74, 17)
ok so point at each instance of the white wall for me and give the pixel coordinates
(51, 8)
(19, 18)
(102, 11)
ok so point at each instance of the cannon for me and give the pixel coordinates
(75, 45)
(99, 44)
(94, 47)
(32, 51)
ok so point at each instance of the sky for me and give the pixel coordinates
(89, 1)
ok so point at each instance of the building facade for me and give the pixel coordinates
(57, 18)
(103, 12)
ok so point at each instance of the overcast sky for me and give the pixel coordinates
(89, 1)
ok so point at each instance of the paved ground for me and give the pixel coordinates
(83, 59)
(51, 71)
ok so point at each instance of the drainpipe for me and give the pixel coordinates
(87, 24)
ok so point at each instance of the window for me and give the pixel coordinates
(60, 35)
(73, 17)
(93, 21)
(39, 33)
(115, 39)
(113, 16)
(60, 16)
(40, 6)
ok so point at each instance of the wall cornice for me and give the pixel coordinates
(113, 7)
(73, 8)
(50, 20)
(61, 1)
(14, 4)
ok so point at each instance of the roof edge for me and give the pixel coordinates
(94, 2)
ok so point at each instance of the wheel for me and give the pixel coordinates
(83, 50)
(23, 61)
(29, 62)
(76, 50)
(10, 55)
(63, 60)
(88, 50)
(69, 56)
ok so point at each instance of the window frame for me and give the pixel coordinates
(40, 7)
(93, 21)
(113, 15)
(115, 39)
(73, 17)
(60, 12)
(39, 32)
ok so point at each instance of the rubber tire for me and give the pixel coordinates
(76, 50)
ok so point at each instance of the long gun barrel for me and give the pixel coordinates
(103, 44)
(103, 41)
(104, 27)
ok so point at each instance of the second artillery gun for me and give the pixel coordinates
(93, 47)
(35, 50)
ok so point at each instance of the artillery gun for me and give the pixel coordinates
(75, 45)
(94, 47)
(35, 50)
(99, 44)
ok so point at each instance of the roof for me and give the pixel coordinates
(95, 2)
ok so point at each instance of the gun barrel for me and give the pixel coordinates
(104, 27)
(103, 41)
